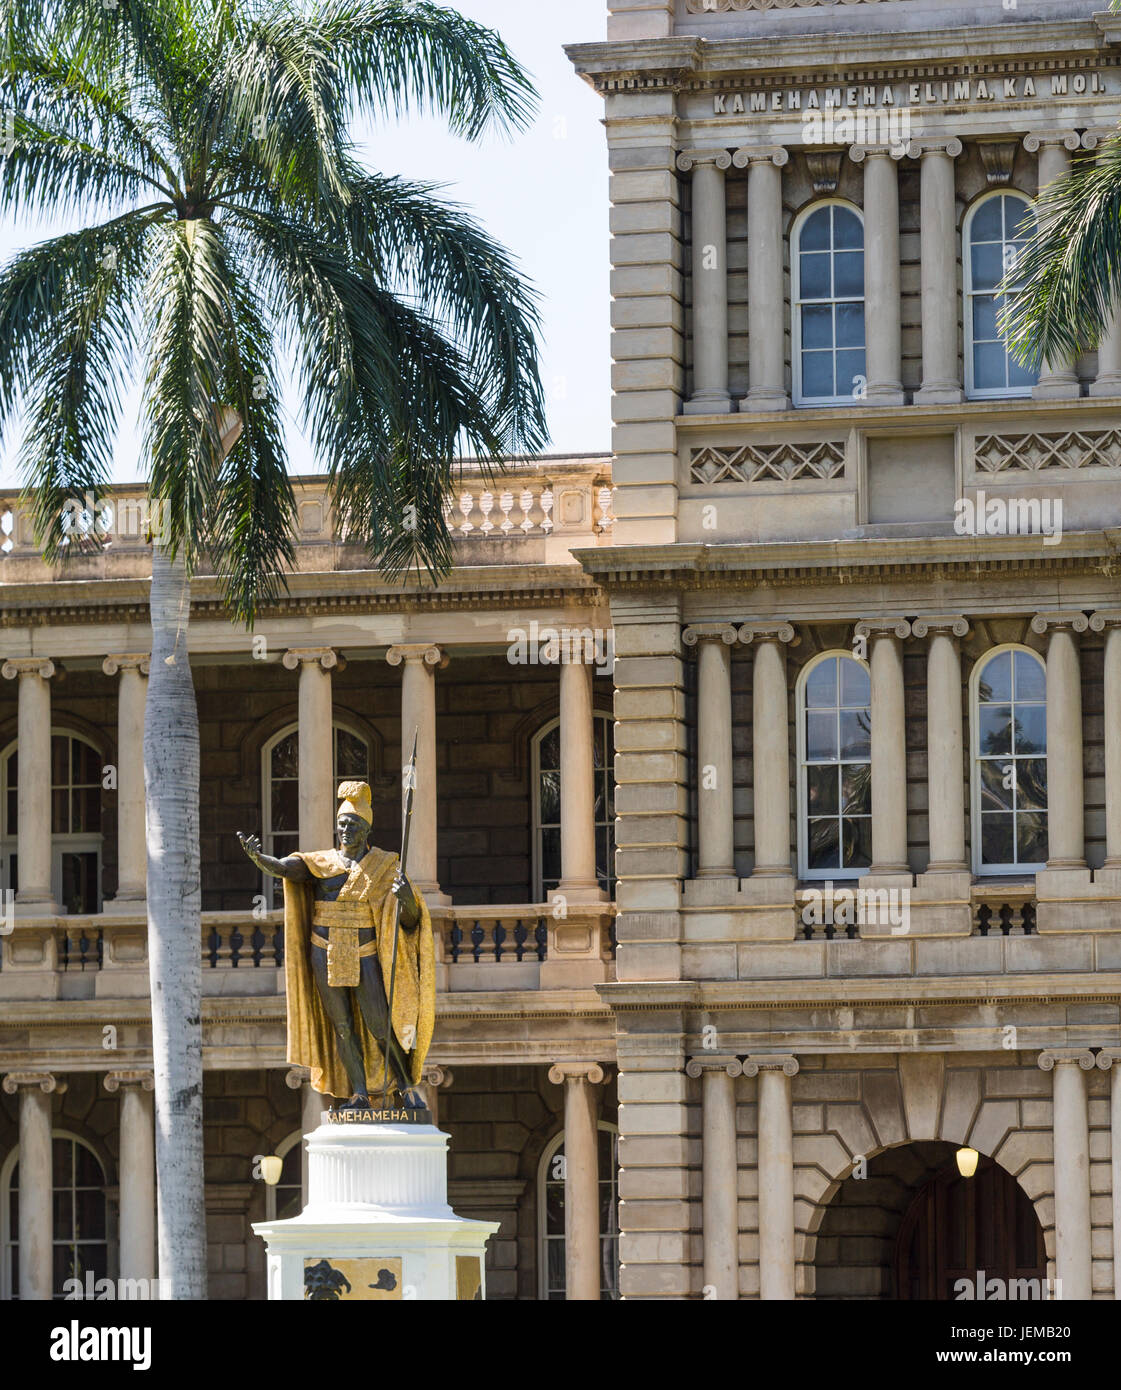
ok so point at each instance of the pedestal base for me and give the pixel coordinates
(377, 1225)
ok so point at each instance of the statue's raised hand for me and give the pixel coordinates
(252, 846)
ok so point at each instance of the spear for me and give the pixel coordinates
(406, 824)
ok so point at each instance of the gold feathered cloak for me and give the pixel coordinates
(311, 1037)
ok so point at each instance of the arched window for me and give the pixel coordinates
(1009, 760)
(996, 229)
(280, 787)
(834, 768)
(76, 839)
(827, 266)
(287, 1197)
(81, 1216)
(546, 806)
(550, 1216)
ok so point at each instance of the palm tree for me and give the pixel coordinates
(205, 148)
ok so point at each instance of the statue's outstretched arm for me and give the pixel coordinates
(292, 868)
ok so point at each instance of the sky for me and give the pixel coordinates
(541, 193)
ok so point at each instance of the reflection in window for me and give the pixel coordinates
(550, 1187)
(835, 819)
(997, 231)
(829, 306)
(546, 806)
(1010, 763)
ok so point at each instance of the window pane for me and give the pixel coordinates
(550, 856)
(986, 223)
(63, 1206)
(847, 231)
(821, 685)
(996, 679)
(995, 796)
(987, 266)
(848, 274)
(87, 1170)
(1031, 679)
(856, 683)
(1031, 729)
(60, 812)
(817, 375)
(1031, 784)
(815, 231)
(984, 317)
(60, 760)
(996, 839)
(821, 736)
(549, 793)
(989, 367)
(821, 791)
(351, 760)
(817, 326)
(1018, 220)
(285, 806)
(995, 730)
(1020, 376)
(813, 276)
(857, 842)
(856, 736)
(549, 756)
(86, 809)
(850, 325)
(856, 789)
(285, 757)
(850, 366)
(1031, 838)
(91, 1214)
(824, 844)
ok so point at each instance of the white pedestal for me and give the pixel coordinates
(378, 1215)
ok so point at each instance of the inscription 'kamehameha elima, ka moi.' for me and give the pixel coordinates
(945, 92)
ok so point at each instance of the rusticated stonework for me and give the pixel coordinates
(755, 463)
(1033, 453)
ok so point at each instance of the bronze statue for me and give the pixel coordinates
(344, 960)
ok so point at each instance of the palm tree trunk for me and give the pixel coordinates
(171, 781)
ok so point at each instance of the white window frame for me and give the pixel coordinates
(837, 875)
(981, 870)
(282, 1151)
(796, 302)
(543, 1238)
(973, 392)
(539, 737)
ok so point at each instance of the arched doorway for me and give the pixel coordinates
(911, 1226)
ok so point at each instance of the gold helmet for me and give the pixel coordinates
(356, 799)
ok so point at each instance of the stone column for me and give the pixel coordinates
(434, 1080)
(1065, 834)
(1108, 380)
(578, 881)
(776, 1172)
(33, 802)
(1071, 1130)
(882, 324)
(137, 1173)
(766, 311)
(889, 744)
(1106, 1059)
(36, 1180)
(312, 1106)
(1109, 622)
(944, 742)
(581, 1177)
(715, 825)
(132, 847)
(316, 742)
(710, 281)
(421, 661)
(1057, 382)
(941, 380)
(719, 1194)
(770, 746)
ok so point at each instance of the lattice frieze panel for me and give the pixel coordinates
(757, 463)
(1036, 453)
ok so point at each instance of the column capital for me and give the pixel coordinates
(1107, 1056)
(28, 666)
(688, 159)
(1057, 1056)
(43, 1079)
(1044, 622)
(768, 632)
(785, 1062)
(591, 1072)
(859, 153)
(1069, 139)
(777, 155)
(126, 661)
(438, 1076)
(1094, 136)
(710, 632)
(418, 652)
(949, 145)
(141, 1080)
(295, 1077)
(950, 624)
(712, 1061)
(1104, 619)
(326, 657)
(883, 627)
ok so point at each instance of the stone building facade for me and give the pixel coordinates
(775, 838)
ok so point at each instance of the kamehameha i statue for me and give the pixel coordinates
(344, 958)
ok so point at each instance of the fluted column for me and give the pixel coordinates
(137, 1173)
(776, 1172)
(36, 1180)
(882, 322)
(420, 662)
(1109, 622)
(1109, 1059)
(1057, 382)
(888, 743)
(1065, 832)
(132, 848)
(578, 881)
(944, 742)
(716, 856)
(719, 1172)
(770, 746)
(766, 313)
(316, 741)
(710, 281)
(1071, 1131)
(581, 1177)
(33, 801)
(941, 381)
